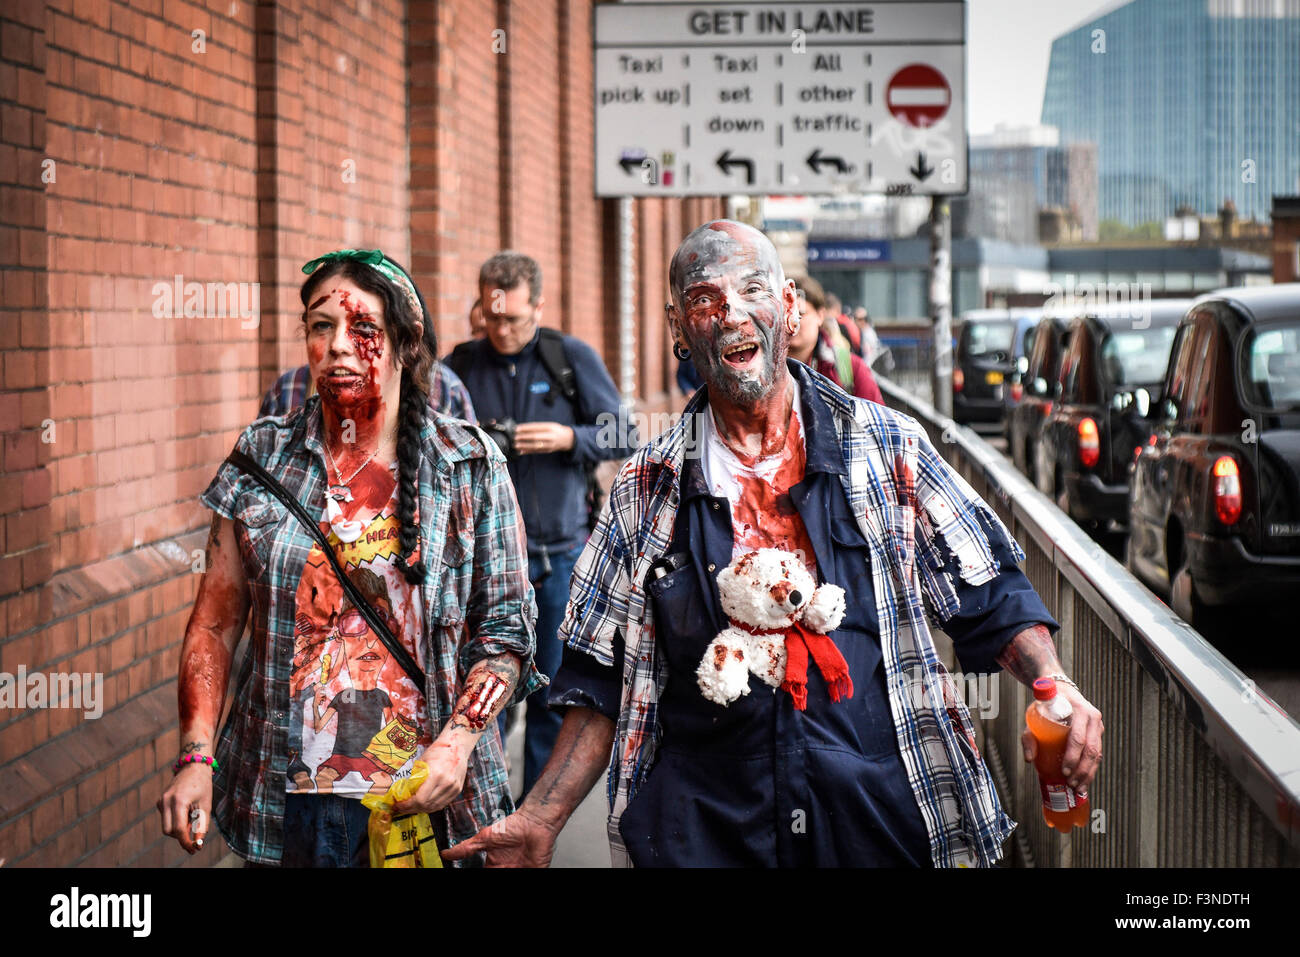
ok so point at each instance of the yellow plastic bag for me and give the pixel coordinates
(405, 840)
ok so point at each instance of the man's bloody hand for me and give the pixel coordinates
(519, 840)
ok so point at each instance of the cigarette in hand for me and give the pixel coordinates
(197, 826)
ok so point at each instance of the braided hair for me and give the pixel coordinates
(415, 354)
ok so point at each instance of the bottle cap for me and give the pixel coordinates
(1044, 689)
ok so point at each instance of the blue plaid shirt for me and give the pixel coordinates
(477, 603)
(917, 516)
(447, 394)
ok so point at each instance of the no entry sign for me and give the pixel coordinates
(918, 95)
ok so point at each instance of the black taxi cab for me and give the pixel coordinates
(1214, 513)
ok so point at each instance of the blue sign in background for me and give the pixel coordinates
(848, 252)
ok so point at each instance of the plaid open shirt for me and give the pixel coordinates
(953, 788)
(476, 597)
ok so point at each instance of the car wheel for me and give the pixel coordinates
(1042, 476)
(1062, 497)
(1188, 606)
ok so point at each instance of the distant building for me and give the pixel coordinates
(889, 276)
(1286, 238)
(1189, 102)
(1026, 187)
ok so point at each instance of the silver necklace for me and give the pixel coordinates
(342, 492)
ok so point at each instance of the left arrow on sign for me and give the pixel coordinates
(726, 162)
(816, 161)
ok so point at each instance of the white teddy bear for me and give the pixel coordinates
(769, 595)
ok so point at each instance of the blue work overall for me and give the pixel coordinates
(758, 783)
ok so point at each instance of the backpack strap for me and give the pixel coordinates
(550, 349)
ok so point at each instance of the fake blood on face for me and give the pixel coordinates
(350, 388)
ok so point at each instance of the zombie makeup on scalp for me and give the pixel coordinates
(744, 387)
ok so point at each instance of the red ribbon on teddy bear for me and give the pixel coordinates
(801, 643)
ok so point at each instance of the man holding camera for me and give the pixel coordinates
(541, 394)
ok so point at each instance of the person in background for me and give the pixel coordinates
(447, 394)
(811, 345)
(873, 349)
(542, 395)
(477, 327)
(835, 312)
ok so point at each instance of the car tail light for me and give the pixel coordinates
(1227, 490)
(958, 380)
(1047, 409)
(1017, 390)
(1089, 444)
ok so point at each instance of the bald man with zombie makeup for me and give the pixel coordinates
(770, 452)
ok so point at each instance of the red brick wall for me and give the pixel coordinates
(227, 164)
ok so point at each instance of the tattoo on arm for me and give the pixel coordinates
(487, 689)
(193, 747)
(562, 762)
(1030, 655)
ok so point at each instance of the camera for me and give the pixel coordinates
(502, 432)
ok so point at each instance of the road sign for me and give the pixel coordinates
(779, 98)
(919, 95)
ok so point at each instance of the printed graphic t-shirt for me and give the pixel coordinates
(357, 719)
(758, 488)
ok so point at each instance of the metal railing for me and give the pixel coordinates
(1199, 767)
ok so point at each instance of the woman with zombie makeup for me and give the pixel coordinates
(419, 512)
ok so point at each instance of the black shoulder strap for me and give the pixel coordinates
(460, 358)
(264, 478)
(550, 349)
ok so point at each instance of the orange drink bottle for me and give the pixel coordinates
(1048, 719)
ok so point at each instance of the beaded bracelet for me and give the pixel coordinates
(185, 759)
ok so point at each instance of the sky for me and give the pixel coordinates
(1007, 48)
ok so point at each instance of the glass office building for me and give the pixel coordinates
(1190, 103)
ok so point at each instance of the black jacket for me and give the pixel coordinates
(551, 488)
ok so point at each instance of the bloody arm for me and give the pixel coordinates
(580, 757)
(488, 688)
(1029, 655)
(210, 638)
(527, 837)
(213, 630)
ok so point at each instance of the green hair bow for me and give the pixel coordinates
(385, 266)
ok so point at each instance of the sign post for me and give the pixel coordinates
(941, 304)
